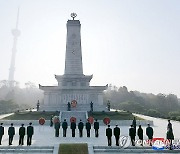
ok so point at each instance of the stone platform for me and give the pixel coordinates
(91, 150)
(79, 107)
(136, 150)
(28, 150)
(44, 139)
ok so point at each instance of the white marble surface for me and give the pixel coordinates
(5, 115)
(160, 126)
(44, 135)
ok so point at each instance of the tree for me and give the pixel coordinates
(136, 101)
(8, 106)
(24, 96)
(153, 113)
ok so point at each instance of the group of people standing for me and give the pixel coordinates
(80, 127)
(132, 134)
(116, 133)
(149, 133)
(22, 133)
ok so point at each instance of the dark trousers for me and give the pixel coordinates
(10, 139)
(56, 132)
(64, 132)
(96, 132)
(150, 140)
(21, 140)
(117, 140)
(109, 140)
(171, 145)
(29, 139)
(88, 132)
(73, 132)
(0, 139)
(80, 133)
(133, 140)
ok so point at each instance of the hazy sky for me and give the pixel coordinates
(135, 43)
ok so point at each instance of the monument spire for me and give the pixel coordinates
(16, 34)
(73, 61)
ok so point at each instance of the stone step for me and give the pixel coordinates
(78, 115)
(116, 150)
(27, 149)
(119, 147)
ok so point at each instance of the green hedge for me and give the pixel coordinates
(35, 115)
(77, 148)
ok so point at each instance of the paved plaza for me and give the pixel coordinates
(44, 140)
(45, 135)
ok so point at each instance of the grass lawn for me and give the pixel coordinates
(77, 148)
(113, 115)
(34, 115)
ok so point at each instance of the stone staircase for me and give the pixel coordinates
(130, 149)
(26, 149)
(77, 114)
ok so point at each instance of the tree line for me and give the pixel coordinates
(160, 105)
(16, 98)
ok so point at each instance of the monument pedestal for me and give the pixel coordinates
(79, 107)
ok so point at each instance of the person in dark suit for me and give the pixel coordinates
(64, 127)
(117, 134)
(170, 137)
(132, 134)
(57, 127)
(11, 133)
(30, 132)
(1, 132)
(96, 128)
(149, 133)
(69, 106)
(88, 128)
(140, 134)
(51, 121)
(21, 134)
(134, 123)
(80, 127)
(169, 125)
(109, 135)
(91, 106)
(169, 134)
(73, 127)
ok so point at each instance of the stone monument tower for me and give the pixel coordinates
(73, 87)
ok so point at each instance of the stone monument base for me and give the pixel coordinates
(79, 107)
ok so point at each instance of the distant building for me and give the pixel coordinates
(16, 33)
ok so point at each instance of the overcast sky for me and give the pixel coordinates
(133, 43)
